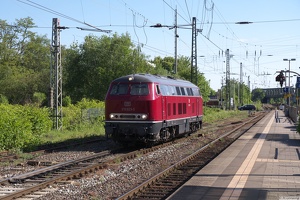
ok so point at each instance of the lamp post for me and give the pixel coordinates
(292, 59)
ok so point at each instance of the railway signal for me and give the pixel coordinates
(280, 78)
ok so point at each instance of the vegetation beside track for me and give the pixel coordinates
(214, 115)
(26, 128)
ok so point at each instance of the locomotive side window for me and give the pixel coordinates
(162, 90)
(168, 92)
(172, 90)
(196, 92)
(182, 91)
(178, 91)
(139, 89)
(190, 91)
(119, 89)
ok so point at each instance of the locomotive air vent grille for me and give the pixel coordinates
(127, 116)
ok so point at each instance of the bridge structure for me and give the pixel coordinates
(285, 92)
(291, 94)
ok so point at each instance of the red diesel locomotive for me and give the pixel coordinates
(150, 108)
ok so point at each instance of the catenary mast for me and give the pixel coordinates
(55, 99)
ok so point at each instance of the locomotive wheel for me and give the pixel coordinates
(163, 134)
(173, 132)
(193, 127)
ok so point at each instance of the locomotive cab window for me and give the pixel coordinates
(139, 89)
(119, 89)
(164, 90)
(157, 89)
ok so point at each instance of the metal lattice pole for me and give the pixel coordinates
(56, 76)
(228, 103)
(194, 69)
(176, 36)
(241, 84)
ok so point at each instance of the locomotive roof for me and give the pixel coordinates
(154, 78)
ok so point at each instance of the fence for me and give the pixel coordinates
(92, 114)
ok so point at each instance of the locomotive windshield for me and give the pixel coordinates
(135, 89)
(119, 89)
(139, 89)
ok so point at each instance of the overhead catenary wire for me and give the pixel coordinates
(260, 22)
(187, 21)
(41, 7)
(187, 8)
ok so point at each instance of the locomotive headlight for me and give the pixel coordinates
(112, 116)
(144, 116)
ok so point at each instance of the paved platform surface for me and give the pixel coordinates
(264, 163)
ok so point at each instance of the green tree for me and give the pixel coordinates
(184, 71)
(245, 94)
(238, 91)
(24, 61)
(167, 63)
(91, 66)
(257, 95)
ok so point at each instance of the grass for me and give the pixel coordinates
(212, 115)
(56, 136)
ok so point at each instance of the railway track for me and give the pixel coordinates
(7, 156)
(165, 183)
(38, 183)
(33, 184)
(28, 183)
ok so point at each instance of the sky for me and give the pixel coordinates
(259, 47)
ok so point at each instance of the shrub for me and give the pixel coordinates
(39, 118)
(21, 126)
(39, 98)
(86, 103)
(84, 113)
(3, 99)
(71, 117)
(66, 101)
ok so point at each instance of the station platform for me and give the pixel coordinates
(264, 163)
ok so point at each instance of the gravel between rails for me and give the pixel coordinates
(119, 178)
